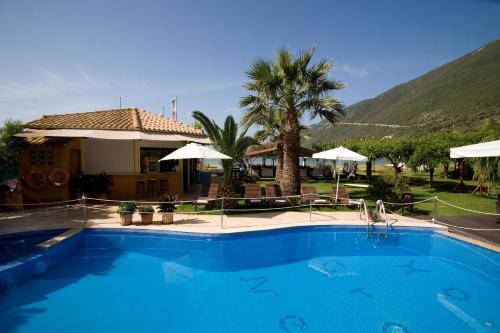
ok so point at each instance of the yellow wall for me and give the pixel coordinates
(61, 160)
(124, 184)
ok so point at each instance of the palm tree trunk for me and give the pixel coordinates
(290, 178)
(227, 167)
(279, 162)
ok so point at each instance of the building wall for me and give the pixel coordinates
(118, 158)
(115, 157)
(61, 160)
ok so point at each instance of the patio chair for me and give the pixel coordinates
(342, 195)
(253, 193)
(309, 194)
(273, 194)
(209, 200)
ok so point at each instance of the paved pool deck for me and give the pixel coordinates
(72, 216)
(105, 217)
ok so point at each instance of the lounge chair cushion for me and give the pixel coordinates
(319, 201)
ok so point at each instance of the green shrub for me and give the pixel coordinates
(128, 207)
(146, 209)
(388, 187)
(167, 204)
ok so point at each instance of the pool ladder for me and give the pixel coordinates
(370, 229)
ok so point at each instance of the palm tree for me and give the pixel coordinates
(226, 140)
(271, 129)
(294, 87)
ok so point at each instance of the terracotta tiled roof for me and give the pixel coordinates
(130, 119)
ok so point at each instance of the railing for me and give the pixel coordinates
(309, 200)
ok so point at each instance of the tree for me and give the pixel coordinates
(398, 152)
(487, 169)
(373, 149)
(429, 151)
(10, 148)
(271, 129)
(226, 140)
(271, 123)
(295, 87)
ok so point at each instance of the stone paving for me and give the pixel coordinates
(72, 216)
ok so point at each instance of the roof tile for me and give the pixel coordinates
(129, 119)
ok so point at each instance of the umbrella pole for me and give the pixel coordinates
(337, 192)
(338, 180)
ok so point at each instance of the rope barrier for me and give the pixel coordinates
(41, 203)
(466, 209)
(262, 209)
(408, 203)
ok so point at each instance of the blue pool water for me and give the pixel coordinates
(316, 279)
(16, 246)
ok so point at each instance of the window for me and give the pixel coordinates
(150, 158)
(41, 157)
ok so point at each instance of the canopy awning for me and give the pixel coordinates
(341, 154)
(484, 149)
(112, 135)
(194, 150)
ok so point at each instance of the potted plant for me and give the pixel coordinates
(373, 215)
(167, 208)
(146, 214)
(102, 185)
(126, 211)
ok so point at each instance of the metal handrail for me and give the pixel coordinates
(381, 210)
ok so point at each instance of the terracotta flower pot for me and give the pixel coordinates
(167, 218)
(126, 219)
(146, 218)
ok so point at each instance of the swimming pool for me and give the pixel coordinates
(16, 246)
(311, 279)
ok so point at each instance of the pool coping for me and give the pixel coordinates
(470, 240)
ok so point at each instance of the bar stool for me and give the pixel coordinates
(140, 189)
(163, 186)
(152, 187)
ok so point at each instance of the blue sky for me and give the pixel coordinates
(68, 56)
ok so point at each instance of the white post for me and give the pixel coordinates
(222, 213)
(84, 198)
(337, 192)
(310, 207)
(434, 209)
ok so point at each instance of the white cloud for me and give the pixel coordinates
(52, 92)
(354, 72)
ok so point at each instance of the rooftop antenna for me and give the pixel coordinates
(120, 102)
(163, 111)
(174, 108)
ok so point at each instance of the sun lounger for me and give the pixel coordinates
(342, 195)
(253, 193)
(309, 193)
(273, 194)
(213, 191)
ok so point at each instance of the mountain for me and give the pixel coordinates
(462, 94)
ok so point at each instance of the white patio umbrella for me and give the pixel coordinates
(195, 150)
(478, 150)
(339, 154)
(484, 149)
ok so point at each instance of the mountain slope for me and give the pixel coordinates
(464, 93)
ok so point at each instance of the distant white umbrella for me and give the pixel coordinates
(195, 150)
(340, 154)
(484, 149)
